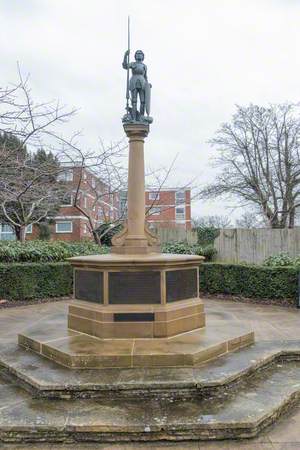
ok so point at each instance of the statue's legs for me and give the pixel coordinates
(134, 103)
(142, 100)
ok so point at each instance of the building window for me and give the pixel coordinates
(153, 195)
(29, 229)
(84, 175)
(179, 197)
(64, 227)
(67, 200)
(93, 183)
(85, 202)
(155, 211)
(85, 228)
(180, 213)
(66, 175)
(6, 233)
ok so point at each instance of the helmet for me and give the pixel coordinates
(139, 51)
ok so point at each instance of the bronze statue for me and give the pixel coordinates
(137, 87)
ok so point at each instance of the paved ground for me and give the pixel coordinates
(268, 322)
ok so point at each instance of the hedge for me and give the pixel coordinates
(44, 251)
(184, 248)
(35, 280)
(249, 281)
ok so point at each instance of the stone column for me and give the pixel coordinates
(135, 238)
(136, 185)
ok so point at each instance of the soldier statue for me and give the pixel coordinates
(137, 87)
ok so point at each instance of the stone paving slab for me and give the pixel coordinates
(52, 339)
(241, 413)
(269, 323)
(45, 378)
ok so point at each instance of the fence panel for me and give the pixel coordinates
(176, 235)
(255, 245)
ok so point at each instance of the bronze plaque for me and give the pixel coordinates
(181, 284)
(89, 285)
(134, 287)
(134, 317)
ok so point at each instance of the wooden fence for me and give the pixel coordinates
(255, 245)
(176, 235)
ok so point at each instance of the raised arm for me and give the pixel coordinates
(125, 64)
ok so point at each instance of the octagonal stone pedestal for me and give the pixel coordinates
(136, 296)
(135, 311)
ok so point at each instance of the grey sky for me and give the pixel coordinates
(203, 57)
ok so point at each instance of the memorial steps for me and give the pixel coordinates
(233, 396)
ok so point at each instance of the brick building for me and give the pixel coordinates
(70, 223)
(170, 207)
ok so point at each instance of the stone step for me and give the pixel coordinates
(77, 350)
(44, 378)
(240, 412)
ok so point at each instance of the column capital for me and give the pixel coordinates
(136, 130)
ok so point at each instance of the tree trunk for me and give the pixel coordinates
(20, 233)
(292, 218)
(96, 237)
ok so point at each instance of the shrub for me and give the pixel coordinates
(44, 251)
(35, 280)
(207, 251)
(282, 260)
(249, 281)
(207, 235)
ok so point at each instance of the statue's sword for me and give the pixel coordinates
(128, 59)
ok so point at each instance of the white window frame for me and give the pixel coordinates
(29, 229)
(68, 204)
(63, 221)
(65, 175)
(153, 195)
(4, 234)
(180, 216)
(180, 197)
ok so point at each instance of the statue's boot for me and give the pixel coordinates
(142, 109)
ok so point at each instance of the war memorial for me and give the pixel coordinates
(136, 361)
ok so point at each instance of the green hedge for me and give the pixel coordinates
(44, 251)
(249, 281)
(35, 280)
(183, 248)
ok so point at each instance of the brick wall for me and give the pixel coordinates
(171, 208)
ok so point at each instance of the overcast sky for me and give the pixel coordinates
(203, 57)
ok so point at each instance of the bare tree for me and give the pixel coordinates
(249, 219)
(98, 177)
(214, 221)
(28, 191)
(258, 158)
